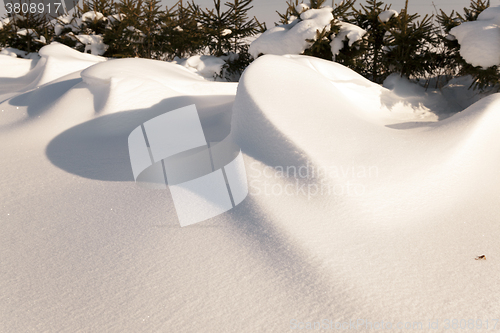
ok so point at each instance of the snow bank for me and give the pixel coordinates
(381, 222)
(480, 40)
(291, 38)
(56, 61)
(123, 84)
(12, 66)
(386, 15)
(13, 52)
(392, 235)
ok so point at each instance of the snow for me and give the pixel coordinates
(92, 16)
(206, 66)
(348, 31)
(24, 32)
(209, 67)
(386, 15)
(291, 38)
(12, 66)
(408, 238)
(114, 18)
(94, 44)
(302, 7)
(75, 23)
(4, 21)
(129, 85)
(13, 52)
(413, 201)
(56, 61)
(480, 40)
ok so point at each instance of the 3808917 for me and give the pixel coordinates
(25, 8)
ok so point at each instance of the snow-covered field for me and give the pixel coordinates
(367, 205)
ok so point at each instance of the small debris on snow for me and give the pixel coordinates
(481, 257)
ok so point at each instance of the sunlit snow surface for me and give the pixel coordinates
(413, 201)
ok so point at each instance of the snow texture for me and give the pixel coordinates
(83, 248)
(13, 52)
(480, 40)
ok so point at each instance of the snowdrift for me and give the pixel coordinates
(56, 61)
(395, 211)
(362, 206)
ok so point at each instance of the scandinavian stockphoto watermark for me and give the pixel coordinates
(205, 178)
(309, 181)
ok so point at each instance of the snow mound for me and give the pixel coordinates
(126, 84)
(13, 67)
(480, 40)
(389, 209)
(291, 38)
(398, 102)
(56, 61)
(382, 220)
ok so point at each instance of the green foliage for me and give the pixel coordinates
(216, 26)
(476, 7)
(410, 45)
(27, 32)
(320, 44)
(181, 35)
(226, 29)
(240, 25)
(450, 58)
(371, 63)
(404, 44)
